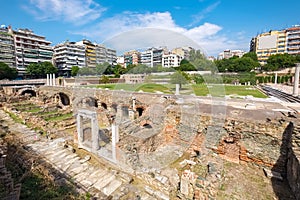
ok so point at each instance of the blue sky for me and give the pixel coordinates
(212, 25)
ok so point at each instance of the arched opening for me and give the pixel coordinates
(140, 111)
(65, 100)
(87, 136)
(29, 92)
(91, 102)
(103, 105)
(115, 107)
(146, 125)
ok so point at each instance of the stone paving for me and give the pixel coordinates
(67, 162)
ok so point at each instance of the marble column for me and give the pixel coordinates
(53, 79)
(50, 80)
(95, 134)
(114, 140)
(47, 82)
(177, 89)
(79, 130)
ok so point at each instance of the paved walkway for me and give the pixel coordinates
(284, 88)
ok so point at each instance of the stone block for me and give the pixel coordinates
(103, 181)
(273, 174)
(111, 187)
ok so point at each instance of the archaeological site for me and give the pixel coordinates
(89, 143)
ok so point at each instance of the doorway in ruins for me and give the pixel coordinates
(99, 141)
(86, 132)
(87, 129)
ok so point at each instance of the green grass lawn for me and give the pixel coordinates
(60, 117)
(197, 89)
(221, 90)
(34, 110)
(148, 87)
(242, 90)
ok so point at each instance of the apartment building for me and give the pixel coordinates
(132, 57)
(100, 53)
(111, 56)
(293, 40)
(153, 56)
(90, 52)
(171, 60)
(97, 53)
(182, 51)
(269, 43)
(68, 54)
(230, 53)
(7, 46)
(30, 48)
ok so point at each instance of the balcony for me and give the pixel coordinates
(296, 42)
(6, 55)
(30, 56)
(294, 47)
(293, 36)
(293, 32)
(36, 38)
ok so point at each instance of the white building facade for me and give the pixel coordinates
(30, 48)
(230, 53)
(171, 60)
(68, 54)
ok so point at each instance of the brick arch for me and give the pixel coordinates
(146, 124)
(88, 101)
(140, 110)
(64, 98)
(30, 91)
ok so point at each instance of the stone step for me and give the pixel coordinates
(69, 163)
(61, 163)
(96, 175)
(111, 187)
(81, 176)
(81, 168)
(102, 182)
(52, 156)
(61, 158)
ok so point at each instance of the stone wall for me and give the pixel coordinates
(293, 162)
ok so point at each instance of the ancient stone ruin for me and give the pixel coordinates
(176, 147)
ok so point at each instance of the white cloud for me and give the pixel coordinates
(202, 14)
(77, 12)
(135, 30)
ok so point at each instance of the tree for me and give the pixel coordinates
(118, 70)
(48, 68)
(280, 61)
(86, 71)
(180, 78)
(6, 72)
(224, 65)
(34, 70)
(199, 61)
(236, 64)
(39, 70)
(185, 65)
(104, 79)
(109, 70)
(198, 79)
(74, 70)
(101, 68)
(244, 64)
(251, 55)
